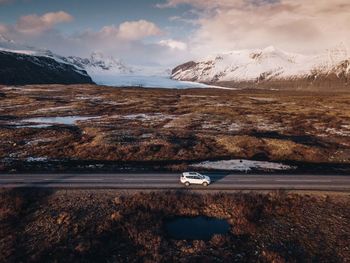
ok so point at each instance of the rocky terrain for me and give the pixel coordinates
(88, 127)
(108, 226)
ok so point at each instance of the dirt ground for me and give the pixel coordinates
(169, 129)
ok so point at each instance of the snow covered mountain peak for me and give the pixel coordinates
(96, 55)
(27, 65)
(3, 40)
(98, 65)
(109, 63)
(259, 65)
(9, 44)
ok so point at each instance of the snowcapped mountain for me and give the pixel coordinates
(264, 65)
(22, 69)
(4, 41)
(97, 66)
(101, 69)
(20, 65)
(14, 47)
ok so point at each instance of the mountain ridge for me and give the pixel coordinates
(263, 65)
(23, 69)
(94, 67)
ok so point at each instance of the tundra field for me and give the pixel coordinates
(110, 226)
(94, 128)
(89, 128)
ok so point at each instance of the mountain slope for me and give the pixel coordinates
(21, 65)
(263, 65)
(101, 68)
(97, 66)
(22, 69)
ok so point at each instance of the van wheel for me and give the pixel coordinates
(187, 184)
(205, 184)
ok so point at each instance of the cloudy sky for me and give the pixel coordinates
(168, 32)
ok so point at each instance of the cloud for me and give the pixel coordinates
(127, 41)
(138, 30)
(173, 44)
(126, 31)
(34, 24)
(205, 4)
(305, 26)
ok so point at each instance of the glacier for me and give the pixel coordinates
(144, 81)
(107, 70)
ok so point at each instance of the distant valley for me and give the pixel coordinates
(268, 68)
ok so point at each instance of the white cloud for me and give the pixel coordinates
(138, 29)
(33, 27)
(206, 4)
(173, 44)
(126, 41)
(126, 31)
(297, 25)
(34, 24)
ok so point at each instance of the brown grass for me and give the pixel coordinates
(104, 226)
(180, 125)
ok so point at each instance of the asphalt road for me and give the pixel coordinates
(171, 181)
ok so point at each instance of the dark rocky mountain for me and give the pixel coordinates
(21, 69)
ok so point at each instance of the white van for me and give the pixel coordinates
(189, 178)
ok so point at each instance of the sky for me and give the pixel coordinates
(170, 32)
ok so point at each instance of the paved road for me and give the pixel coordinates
(171, 181)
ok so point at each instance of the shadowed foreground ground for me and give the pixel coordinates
(107, 226)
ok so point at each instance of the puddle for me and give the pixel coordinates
(195, 228)
(44, 121)
(36, 126)
(37, 159)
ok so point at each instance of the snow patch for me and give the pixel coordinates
(35, 126)
(342, 132)
(38, 141)
(44, 121)
(198, 96)
(235, 127)
(242, 165)
(36, 159)
(262, 99)
(54, 109)
(148, 117)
